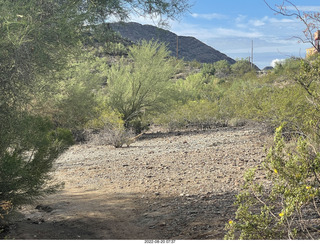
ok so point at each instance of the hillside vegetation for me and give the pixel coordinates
(189, 48)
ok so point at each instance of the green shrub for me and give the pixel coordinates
(200, 114)
(108, 128)
(288, 67)
(241, 67)
(208, 69)
(190, 89)
(222, 68)
(106, 117)
(71, 98)
(279, 210)
(26, 158)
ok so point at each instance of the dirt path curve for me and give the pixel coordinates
(177, 185)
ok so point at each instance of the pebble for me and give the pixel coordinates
(162, 224)
(195, 167)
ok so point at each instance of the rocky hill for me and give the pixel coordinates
(190, 48)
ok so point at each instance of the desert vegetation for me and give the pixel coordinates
(51, 73)
(68, 88)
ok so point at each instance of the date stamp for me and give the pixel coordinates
(160, 241)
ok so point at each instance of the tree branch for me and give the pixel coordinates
(306, 18)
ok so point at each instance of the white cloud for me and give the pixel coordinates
(150, 19)
(227, 32)
(205, 34)
(267, 20)
(242, 21)
(276, 21)
(185, 29)
(147, 20)
(276, 61)
(304, 8)
(208, 16)
(240, 18)
(257, 23)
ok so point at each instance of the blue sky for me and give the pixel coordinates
(231, 25)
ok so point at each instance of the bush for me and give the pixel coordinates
(293, 174)
(26, 159)
(190, 89)
(108, 129)
(115, 136)
(222, 68)
(71, 101)
(208, 69)
(241, 67)
(263, 102)
(200, 114)
(288, 67)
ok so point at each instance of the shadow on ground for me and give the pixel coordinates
(93, 215)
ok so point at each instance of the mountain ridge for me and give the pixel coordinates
(189, 48)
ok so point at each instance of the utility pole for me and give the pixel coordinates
(177, 46)
(251, 53)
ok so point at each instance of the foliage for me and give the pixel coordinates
(30, 46)
(200, 114)
(222, 68)
(208, 69)
(281, 207)
(117, 49)
(288, 67)
(44, 84)
(309, 80)
(5, 209)
(241, 67)
(294, 177)
(108, 128)
(141, 85)
(191, 88)
(26, 159)
(271, 98)
(71, 96)
(106, 117)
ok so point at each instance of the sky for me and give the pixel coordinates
(230, 26)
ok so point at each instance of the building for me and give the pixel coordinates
(316, 48)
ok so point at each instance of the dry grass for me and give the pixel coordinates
(116, 137)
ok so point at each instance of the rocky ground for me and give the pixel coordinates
(178, 185)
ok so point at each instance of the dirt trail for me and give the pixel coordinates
(177, 185)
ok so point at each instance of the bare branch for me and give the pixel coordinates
(308, 19)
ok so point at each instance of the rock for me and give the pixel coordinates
(162, 224)
(44, 208)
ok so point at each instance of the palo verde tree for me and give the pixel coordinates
(141, 85)
(37, 39)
